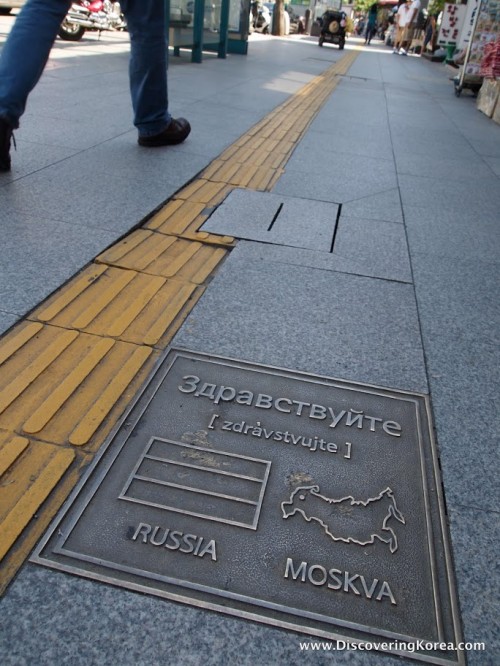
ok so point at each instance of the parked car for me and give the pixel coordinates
(7, 5)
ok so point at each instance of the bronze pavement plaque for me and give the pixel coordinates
(304, 502)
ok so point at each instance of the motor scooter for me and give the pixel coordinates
(91, 15)
(260, 18)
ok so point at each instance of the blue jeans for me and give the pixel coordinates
(28, 46)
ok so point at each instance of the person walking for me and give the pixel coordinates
(27, 50)
(411, 23)
(402, 18)
(371, 25)
(430, 33)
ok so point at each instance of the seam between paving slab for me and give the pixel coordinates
(71, 367)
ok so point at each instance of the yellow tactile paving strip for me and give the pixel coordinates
(121, 304)
(68, 372)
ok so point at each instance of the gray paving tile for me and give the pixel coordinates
(351, 91)
(378, 146)
(7, 320)
(459, 110)
(460, 319)
(462, 236)
(57, 102)
(417, 120)
(51, 252)
(364, 73)
(487, 147)
(475, 536)
(494, 164)
(29, 157)
(475, 126)
(372, 247)
(360, 79)
(362, 247)
(431, 143)
(441, 196)
(90, 190)
(214, 127)
(271, 218)
(200, 85)
(382, 206)
(79, 75)
(457, 297)
(124, 626)
(443, 168)
(365, 143)
(72, 133)
(244, 97)
(159, 168)
(305, 177)
(350, 109)
(352, 322)
(466, 417)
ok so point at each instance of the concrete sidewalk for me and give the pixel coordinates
(407, 299)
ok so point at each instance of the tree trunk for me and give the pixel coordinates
(278, 27)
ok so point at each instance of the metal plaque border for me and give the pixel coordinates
(158, 374)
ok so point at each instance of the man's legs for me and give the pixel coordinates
(28, 47)
(148, 74)
(397, 39)
(148, 64)
(26, 52)
(406, 41)
(22, 62)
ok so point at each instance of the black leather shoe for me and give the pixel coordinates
(175, 132)
(5, 137)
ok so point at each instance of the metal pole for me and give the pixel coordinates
(199, 16)
(223, 28)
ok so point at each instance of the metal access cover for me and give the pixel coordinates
(304, 502)
(276, 219)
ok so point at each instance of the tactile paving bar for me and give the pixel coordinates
(64, 385)
(182, 217)
(205, 192)
(250, 175)
(248, 154)
(166, 256)
(122, 304)
(29, 472)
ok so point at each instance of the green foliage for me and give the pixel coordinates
(363, 5)
(435, 6)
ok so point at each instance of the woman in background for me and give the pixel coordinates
(371, 25)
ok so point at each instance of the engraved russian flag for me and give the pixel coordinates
(199, 481)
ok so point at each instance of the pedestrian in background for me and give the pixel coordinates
(27, 49)
(371, 25)
(430, 33)
(413, 12)
(402, 18)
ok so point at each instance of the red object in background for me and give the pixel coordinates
(490, 64)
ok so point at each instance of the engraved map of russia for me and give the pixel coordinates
(346, 519)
